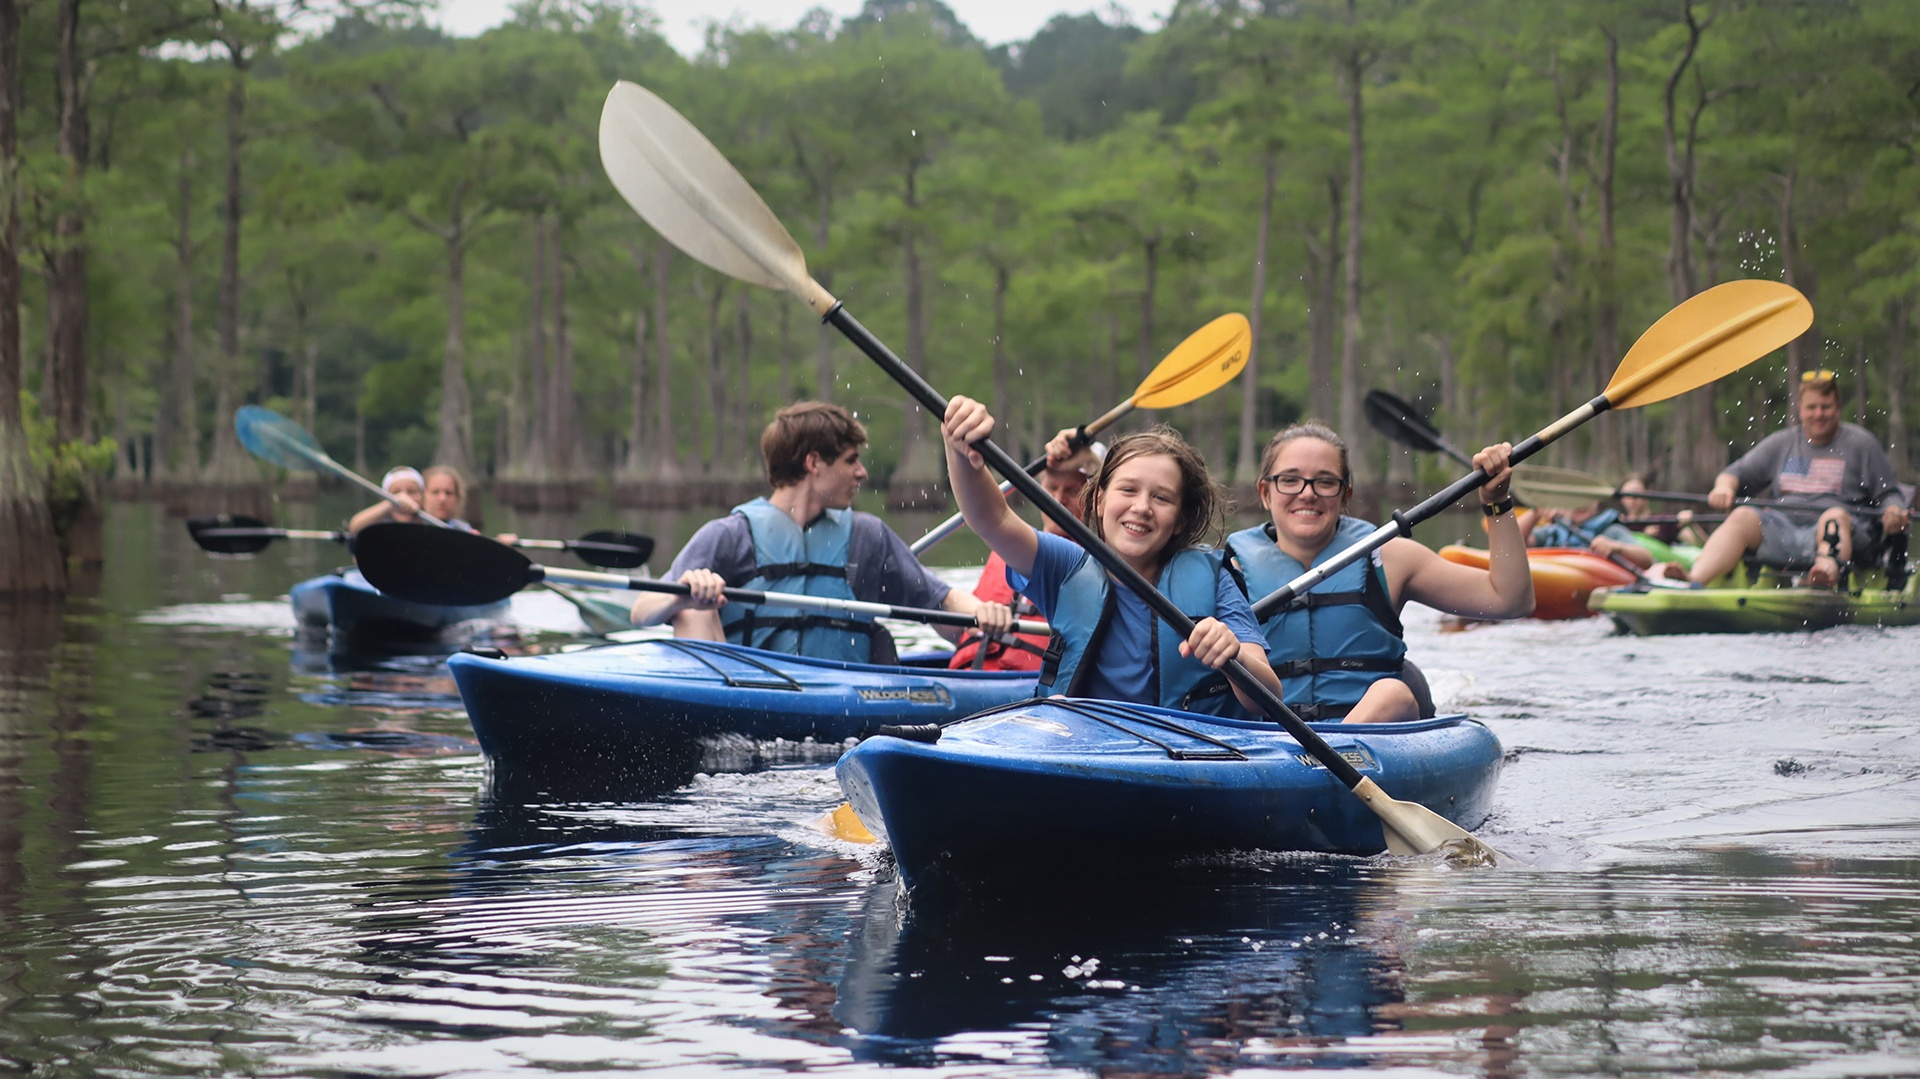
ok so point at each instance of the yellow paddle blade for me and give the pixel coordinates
(1715, 333)
(1208, 359)
(691, 195)
(845, 825)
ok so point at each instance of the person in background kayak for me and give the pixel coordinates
(1590, 527)
(407, 486)
(1024, 651)
(1820, 462)
(1153, 502)
(1339, 649)
(804, 537)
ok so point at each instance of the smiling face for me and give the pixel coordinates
(443, 496)
(1820, 411)
(1306, 520)
(836, 482)
(1140, 509)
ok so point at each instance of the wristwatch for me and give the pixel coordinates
(1495, 509)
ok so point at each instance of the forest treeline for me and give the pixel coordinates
(406, 241)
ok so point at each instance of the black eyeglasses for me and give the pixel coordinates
(1289, 484)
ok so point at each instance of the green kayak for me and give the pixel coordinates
(1769, 605)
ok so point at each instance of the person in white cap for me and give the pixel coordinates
(1024, 651)
(407, 487)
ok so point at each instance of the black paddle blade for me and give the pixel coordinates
(1400, 421)
(445, 566)
(227, 533)
(613, 550)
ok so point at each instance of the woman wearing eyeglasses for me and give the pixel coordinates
(1338, 649)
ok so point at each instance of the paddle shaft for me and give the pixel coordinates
(1075, 530)
(1404, 520)
(537, 572)
(273, 533)
(320, 458)
(1081, 438)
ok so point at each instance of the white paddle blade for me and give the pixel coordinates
(1411, 828)
(692, 195)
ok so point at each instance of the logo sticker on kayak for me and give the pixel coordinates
(1359, 758)
(907, 695)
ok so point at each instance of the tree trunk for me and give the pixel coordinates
(637, 432)
(823, 347)
(786, 352)
(1898, 436)
(917, 478)
(29, 550)
(1246, 464)
(1799, 348)
(66, 391)
(1606, 330)
(1323, 270)
(455, 445)
(1149, 289)
(563, 436)
(229, 468)
(1350, 425)
(715, 371)
(743, 392)
(177, 439)
(538, 459)
(666, 450)
(1002, 376)
(1685, 413)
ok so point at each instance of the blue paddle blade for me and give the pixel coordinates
(277, 440)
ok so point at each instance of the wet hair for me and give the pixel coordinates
(1305, 429)
(1203, 502)
(459, 481)
(805, 428)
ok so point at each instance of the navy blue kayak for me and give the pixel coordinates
(642, 709)
(353, 610)
(1050, 783)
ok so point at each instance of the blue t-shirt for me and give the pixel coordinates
(1123, 669)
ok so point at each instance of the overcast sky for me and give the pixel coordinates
(992, 21)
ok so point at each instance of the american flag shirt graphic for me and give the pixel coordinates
(1811, 475)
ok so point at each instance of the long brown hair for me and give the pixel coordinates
(1203, 502)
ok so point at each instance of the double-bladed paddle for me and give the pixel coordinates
(232, 534)
(1208, 359)
(460, 569)
(1717, 332)
(675, 179)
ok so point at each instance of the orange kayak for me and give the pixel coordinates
(1563, 577)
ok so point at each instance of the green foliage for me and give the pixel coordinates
(74, 469)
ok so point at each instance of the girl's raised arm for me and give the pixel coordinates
(975, 489)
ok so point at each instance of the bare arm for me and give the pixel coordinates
(1212, 642)
(695, 616)
(981, 503)
(382, 511)
(1503, 590)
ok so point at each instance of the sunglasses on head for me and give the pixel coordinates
(1822, 375)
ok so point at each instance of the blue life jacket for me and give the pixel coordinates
(812, 563)
(1568, 534)
(1330, 644)
(1084, 610)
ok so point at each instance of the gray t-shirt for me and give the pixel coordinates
(880, 567)
(1852, 470)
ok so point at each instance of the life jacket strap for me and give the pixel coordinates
(1296, 668)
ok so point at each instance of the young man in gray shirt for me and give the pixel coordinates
(805, 537)
(1838, 468)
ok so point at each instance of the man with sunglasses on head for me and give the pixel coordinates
(1837, 469)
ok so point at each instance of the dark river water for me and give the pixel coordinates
(223, 853)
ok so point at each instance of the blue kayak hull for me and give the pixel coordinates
(1047, 784)
(352, 610)
(636, 713)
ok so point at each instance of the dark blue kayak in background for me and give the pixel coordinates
(1047, 784)
(598, 716)
(354, 612)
